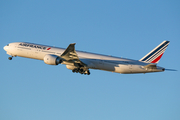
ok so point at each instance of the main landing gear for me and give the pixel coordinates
(10, 58)
(81, 71)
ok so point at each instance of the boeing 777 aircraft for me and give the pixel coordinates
(81, 62)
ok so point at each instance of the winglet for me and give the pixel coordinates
(155, 55)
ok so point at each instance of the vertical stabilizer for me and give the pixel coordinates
(155, 55)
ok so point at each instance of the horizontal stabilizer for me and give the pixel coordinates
(150, 66)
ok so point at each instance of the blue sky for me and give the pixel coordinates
(32, 90)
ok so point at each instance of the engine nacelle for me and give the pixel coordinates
(52, 59)
(71, 67)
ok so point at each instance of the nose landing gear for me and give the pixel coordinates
(10, 58)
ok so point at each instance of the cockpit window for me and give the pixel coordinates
(7, 44)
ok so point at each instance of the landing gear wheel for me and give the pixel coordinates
(81, 71)
(88, 72)
(10, 58)
(74, 70)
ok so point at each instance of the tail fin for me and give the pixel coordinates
(155, 55)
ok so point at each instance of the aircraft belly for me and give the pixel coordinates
(122, 69)
(101, 65)
(128, 69)
(108, 67)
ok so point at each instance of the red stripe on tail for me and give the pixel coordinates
(157, 59)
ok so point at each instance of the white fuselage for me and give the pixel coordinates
(92, 60)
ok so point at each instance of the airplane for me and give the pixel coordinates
(81, 62)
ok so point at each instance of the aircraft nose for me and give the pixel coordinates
(5, 48)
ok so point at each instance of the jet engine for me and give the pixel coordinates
(52, 59)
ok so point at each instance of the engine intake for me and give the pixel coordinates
(52, 59)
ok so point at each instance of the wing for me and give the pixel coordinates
(70, 56)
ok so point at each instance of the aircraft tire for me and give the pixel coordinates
(10, 58)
